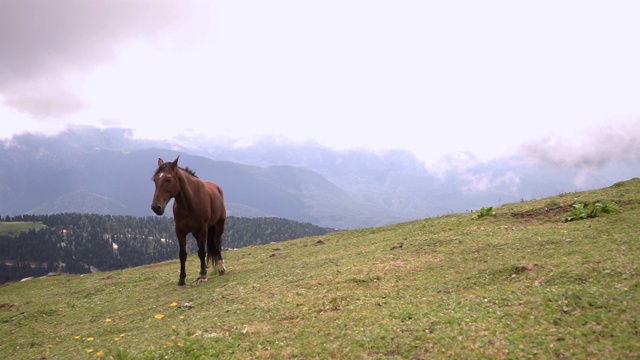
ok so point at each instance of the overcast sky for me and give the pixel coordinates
(432, 77)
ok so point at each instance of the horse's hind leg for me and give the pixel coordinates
(221, 269)
(202, 253)
(182, 242)
(214, 246)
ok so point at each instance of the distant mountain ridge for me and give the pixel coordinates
(88, 170)
(80, 202)
(109, 172)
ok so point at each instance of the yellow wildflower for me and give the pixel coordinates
(158, 316)
(173, 304)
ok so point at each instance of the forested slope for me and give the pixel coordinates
(81, 243)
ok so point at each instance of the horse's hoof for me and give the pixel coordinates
(180, 287)
(203, 279)
(222, 272)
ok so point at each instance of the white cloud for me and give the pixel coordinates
(482, 182)
(430, 77)
(43, 42)
(614, 142)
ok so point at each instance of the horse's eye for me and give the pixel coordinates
(167, 180)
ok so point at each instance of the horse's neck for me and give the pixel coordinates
(187, 186)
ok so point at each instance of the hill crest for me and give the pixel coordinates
(303, 182)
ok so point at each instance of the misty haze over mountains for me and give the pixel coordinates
(85, 169)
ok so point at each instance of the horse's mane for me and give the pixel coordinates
(187, 170)
(190, 171)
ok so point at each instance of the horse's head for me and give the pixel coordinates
(167, 185)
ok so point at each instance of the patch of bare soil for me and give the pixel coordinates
(6, 306)
(153, 266)
(525, 268)
(554, 213)
(275, 252)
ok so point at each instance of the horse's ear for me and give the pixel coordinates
(174, 164)
(160, 162)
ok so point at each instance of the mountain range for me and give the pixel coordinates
(90, 170)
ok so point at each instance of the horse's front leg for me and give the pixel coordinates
(201, 237)
(182, 242)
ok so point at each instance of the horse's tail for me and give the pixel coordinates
(214, 239)
(211, 248)
(214, 247)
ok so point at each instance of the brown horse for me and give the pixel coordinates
(198, 208)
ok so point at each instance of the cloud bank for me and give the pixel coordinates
(65, 37)
(614, 142)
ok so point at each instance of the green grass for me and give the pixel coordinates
(518, 284)
(14, 228)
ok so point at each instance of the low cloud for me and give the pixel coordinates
(474, 174)
(481, 182)
(458, 162)
(615, 142)
(42, 99)
(43, 41)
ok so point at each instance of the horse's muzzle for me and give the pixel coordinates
(158, 209)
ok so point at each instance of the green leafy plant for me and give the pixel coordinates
(484, 212)
(585, 211)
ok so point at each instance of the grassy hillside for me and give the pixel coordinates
(515, 285)
(14, 228)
